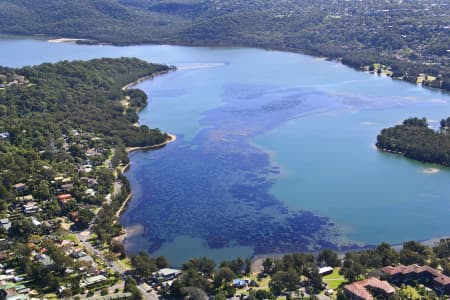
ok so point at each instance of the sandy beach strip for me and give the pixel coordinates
(171, 138)
(431, 171)
(139, 80)
(65, 40)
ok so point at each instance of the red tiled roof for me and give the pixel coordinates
(444, 280)
(359, 288)
(64, 196)
(438, 276)
(432, 271)
(379, 284)
(409, 269)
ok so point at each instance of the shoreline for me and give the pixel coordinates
(309, 52)
(122, 207)
(65, 40)
(170, 139)
(141, 79)
(257, 260)
(437, 168)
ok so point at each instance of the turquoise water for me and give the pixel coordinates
(274, 153)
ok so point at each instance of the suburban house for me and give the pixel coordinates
(368, 289)
(64, 198)
(67, 187)
(92, 182)
(167, 274)
(239, 283)
(442, 285)
(94, 281)
(20, 187)
(11, 291)
(5, 224)
(421, 274)
(30, 207)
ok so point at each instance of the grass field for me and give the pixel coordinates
(124, 263)
(334, 280)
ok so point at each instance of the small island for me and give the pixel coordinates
(416, 140)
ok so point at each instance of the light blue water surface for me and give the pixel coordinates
(316, 120)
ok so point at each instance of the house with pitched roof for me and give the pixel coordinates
(368, 289)
(425, 275)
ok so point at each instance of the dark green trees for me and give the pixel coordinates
(414, 139)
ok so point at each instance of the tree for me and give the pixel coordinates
(223, 276)
(315, 280)
(353, 272)
(161, 262)
(283, 281)
(204, 265)
(261, 295)
(192, 278)
(388, 255)
(267, 265)
(130, 286)
(144, 264)
(248, 265)
(329, 258)
(194, 293)
(118, 247)
(66, 294)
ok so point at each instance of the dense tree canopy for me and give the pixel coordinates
(414, 139)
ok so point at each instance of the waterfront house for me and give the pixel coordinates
(167, 274)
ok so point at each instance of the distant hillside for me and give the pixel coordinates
(406, 39)
(103, 20)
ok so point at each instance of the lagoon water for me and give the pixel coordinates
(274, 153)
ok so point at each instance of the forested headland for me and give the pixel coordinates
(64, 129)
(414, 139)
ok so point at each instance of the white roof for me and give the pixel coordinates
(169, 271)
(325, 270)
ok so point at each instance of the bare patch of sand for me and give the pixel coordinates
(65, 40)
(430, 170)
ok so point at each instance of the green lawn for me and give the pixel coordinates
(124, 263)
(334, 279)
(71, 237)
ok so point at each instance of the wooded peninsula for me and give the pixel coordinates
(414, 139)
